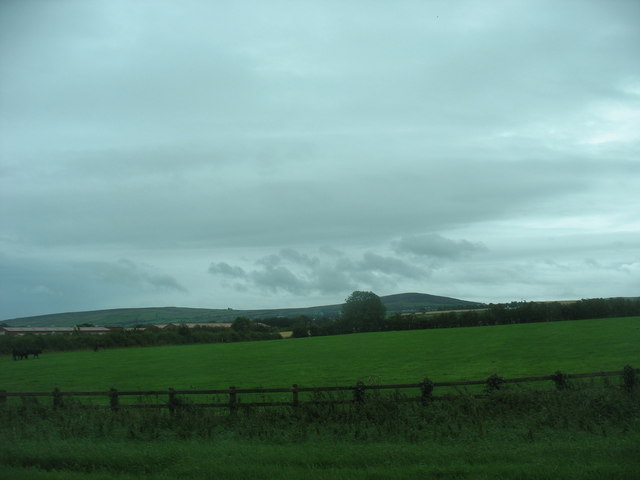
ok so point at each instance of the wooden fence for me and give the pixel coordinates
(358, 392)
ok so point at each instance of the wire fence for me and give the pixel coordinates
(173, 399)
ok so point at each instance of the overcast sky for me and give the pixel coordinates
(285, 153)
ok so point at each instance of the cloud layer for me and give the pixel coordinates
(285, 153)
(327, 273)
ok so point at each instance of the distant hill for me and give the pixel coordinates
(422, 302)
(402, 303)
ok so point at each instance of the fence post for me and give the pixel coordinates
(233, 401)
(561, 380)
(172, 401)
(294, 394)
(358, 393)
(426, 390)
(113, 399)
(494, 382)
(629, 378)
(57, 398)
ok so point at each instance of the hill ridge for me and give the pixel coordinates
(400, 302)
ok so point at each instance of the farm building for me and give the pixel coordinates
(15, 331)
(167, 326)
(203, 325)
(194, 325)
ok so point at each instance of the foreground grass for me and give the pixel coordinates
(384, 357)
(592, 432)
(579, 456)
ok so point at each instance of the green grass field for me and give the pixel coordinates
(583, 433)
(590, 432)
(507, 458)
(388, 357)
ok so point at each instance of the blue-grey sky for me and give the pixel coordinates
(257, 154)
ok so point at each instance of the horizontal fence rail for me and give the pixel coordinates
(426, 387)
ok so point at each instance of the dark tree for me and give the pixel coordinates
(242, 324)
(184, 330)
(300, 330)
(363, 312)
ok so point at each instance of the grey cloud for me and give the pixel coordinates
(372, 262)
(330, 251)
(332, 280)
(41, 290)
(299, 258)
(127, 272)
(437, 246)
(538, 279)
(165, 282)
(224, 269)
(270, 261)
(298, 273)
(195, 211)
(275, 278)
(275, 273)
(305, 124)
(629, 266)
(32, 286)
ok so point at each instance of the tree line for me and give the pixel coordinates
(367, 319)
(242, 330)
(361, 312)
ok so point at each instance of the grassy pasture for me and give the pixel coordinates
(589, 433)
(386, 357)
(494, 458)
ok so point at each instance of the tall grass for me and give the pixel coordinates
(576, 456)
(587, 432)
(590, 407)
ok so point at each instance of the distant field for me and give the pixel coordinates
(402, 302)
(385, 357)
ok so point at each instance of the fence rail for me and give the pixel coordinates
(426, 387)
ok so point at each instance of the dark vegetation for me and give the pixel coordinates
(362, 312)
(404, 302)
(498, 314)
(591, 431)
(242, 330)
(595, 406)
